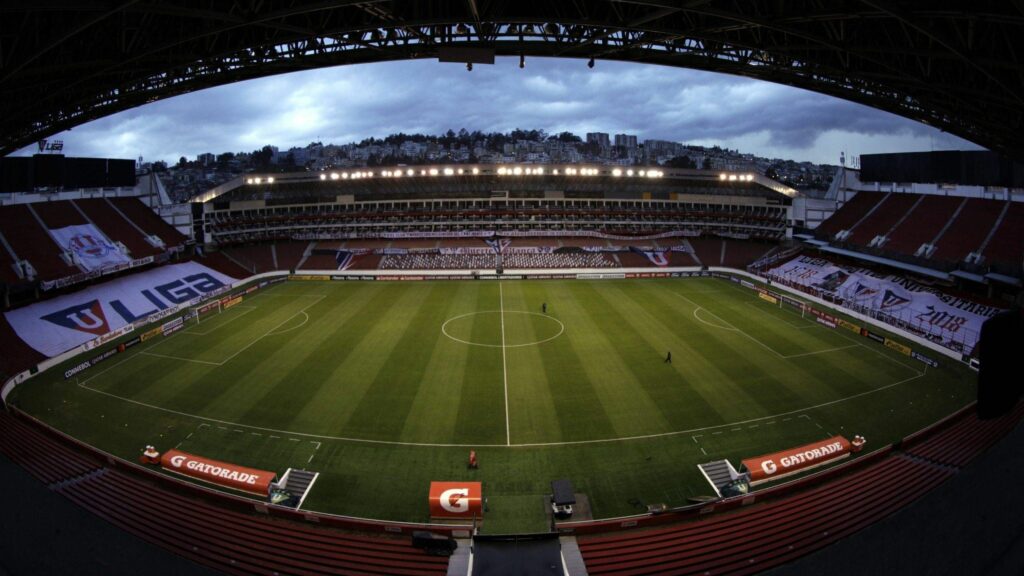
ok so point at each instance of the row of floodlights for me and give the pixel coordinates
(735, 177)
(502, 171)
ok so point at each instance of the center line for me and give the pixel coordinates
(504, 364)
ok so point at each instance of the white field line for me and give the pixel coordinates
(728, 326)
(504, 363)
(183, 359)
(225, 323)
(844, 336)
(506, 445)
(270, 332)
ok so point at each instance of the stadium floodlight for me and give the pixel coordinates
(517, 170)
(397, 173)
(617, 172)
(258, 180)
(555, 172)
(460, 171)
(270, 180)
(722, 176)
(248, 180)
(334, 176)
(540, 170)
(433, 171)
(344, 175)
(448, 172)
(501, 170)
(323, 176)
(732, 177)
(750, 177)
(629, 172)
(410, 172)
(476, 170)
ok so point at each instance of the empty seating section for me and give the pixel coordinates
(224, 539)
(58, 214)
(116, 227)
(289, 254)
(923, 225)
(708, 250)
(31, 242)
(763, 536)
(8, 269)
(958, 443)
(968, 231)
(320, 262)
(222, 264)
(739, 253)
(758, 538)
(148, 220)
(850, 213)
(17, 355)
(256, 259)
(1007, 245)
(883, 219)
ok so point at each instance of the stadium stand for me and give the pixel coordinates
(254, 258)
(148, 220)
(739, 254)
(289, 254)
(1007, 244)
(116, 227)
(761, 537)
(850, 213)
(882, 220)
(925, 223)
(30, 241)
(57, 214)
(226, 540)
(969, 230)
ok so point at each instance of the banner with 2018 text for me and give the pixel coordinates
(940, 316)
(54, 326)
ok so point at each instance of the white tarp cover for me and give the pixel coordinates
(94, 250)
(57, 325)
(942, 317)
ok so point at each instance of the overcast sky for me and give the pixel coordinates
(349, 103)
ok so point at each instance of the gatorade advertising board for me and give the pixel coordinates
(249, 480)
(456, 500)
(781, 464)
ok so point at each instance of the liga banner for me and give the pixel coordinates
(782, 464)
(54, 326)
(93, 249)
(456, 500)
(250, 480)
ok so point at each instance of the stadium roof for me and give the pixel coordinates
(952, 65)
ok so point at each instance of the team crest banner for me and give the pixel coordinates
(60, 324)
(93, 249)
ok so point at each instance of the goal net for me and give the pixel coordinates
(208, 309)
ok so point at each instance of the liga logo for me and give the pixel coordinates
(456, 500)
(88, 246)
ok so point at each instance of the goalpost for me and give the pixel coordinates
(198, 312)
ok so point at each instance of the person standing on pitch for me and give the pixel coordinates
(668, 357)
(544, 307)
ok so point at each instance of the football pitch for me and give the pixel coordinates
(383, 387)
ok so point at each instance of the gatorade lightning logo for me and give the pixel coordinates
(455, 500)
(86, 317)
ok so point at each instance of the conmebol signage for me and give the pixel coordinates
(230, 475)
(782, 464)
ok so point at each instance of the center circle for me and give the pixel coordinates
(454, 328)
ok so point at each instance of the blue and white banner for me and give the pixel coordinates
(659, 258)
(345, 259)
(942, 317)
(60, 324)
(92, 249)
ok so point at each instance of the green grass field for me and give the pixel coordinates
(382, 387)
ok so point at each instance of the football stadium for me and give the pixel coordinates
(510, 367)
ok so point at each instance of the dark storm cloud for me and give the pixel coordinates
(347, 104)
